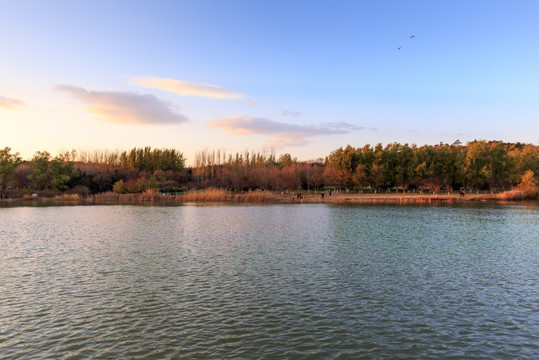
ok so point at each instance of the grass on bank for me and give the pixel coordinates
(525, 191)
(516, 195)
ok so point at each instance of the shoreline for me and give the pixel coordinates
(260, 197)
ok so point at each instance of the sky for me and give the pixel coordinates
(298, 77)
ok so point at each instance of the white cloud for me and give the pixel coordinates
(186, 88)
(125, 107)
(249, 103)
(9, 103)
(284, 134)
(292, 113)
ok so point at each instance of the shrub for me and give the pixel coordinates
(119, 187)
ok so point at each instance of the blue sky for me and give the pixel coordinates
(303, 77)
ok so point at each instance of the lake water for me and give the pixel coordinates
(269, 282)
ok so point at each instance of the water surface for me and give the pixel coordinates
(273, 282)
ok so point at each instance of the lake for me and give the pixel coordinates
(310, 281)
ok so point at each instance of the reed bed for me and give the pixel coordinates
(517, 195)
(62, 198)
(66, 197)
(377, 199)
(151, 195)
(205, 195)
(105, 197)
(223, 195)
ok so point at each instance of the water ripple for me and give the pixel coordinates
(271, 282)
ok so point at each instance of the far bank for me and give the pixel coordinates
(267, 197)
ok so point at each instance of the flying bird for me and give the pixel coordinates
(411, 37)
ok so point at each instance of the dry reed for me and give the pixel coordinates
(108, 196)
(69, 197)
(206, 195)
(222, 195)
(226, 196)
(150, 195)
(517, 195)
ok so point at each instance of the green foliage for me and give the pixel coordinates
(342, 163)
(47, 173)
(286, 160)
(141, 159)
(61, 168)
(39, 170)
(525, 158)
(148, 160)
(8, 163)
(478, 164)
(157, 181)
(488, 163)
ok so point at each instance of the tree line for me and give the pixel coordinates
(91, 172)
(479, 164)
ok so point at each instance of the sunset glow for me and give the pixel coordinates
(303, 78)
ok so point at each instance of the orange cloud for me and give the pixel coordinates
(186, 88)
(285, 134)
(8, 103)
(125, 107)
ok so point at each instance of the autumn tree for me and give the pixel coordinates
(21, 175)
(259, 178)
(336, 177)
(360, 178)
(311, 175)
(479, 164)
(525, 158)
(288, 178)
(528, 184)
